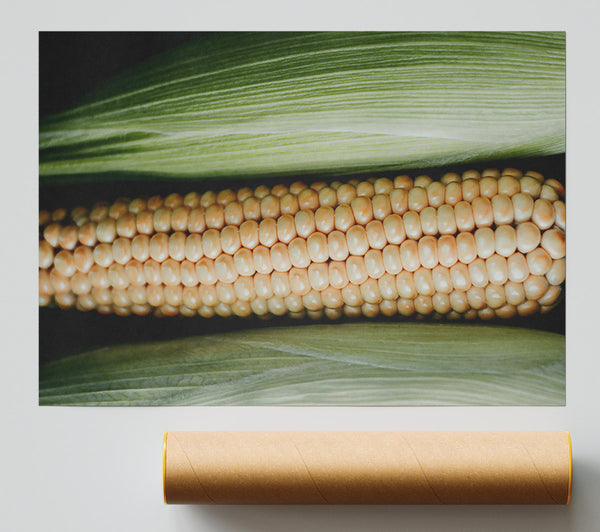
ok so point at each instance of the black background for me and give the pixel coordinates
(74, 63)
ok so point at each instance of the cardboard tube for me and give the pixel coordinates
(367, 467)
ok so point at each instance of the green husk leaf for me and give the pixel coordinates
(340, 364)
(275, 104)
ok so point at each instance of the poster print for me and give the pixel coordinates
(302, 218)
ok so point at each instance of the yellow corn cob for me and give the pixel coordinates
(489, 244)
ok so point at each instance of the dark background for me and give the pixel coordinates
(73, 64)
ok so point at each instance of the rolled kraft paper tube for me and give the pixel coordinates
(367, 467)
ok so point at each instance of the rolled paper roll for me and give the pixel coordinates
(367, 468)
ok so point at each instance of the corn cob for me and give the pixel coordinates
(480, 245)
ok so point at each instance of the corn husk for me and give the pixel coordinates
(276, 104)
(365, 363)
